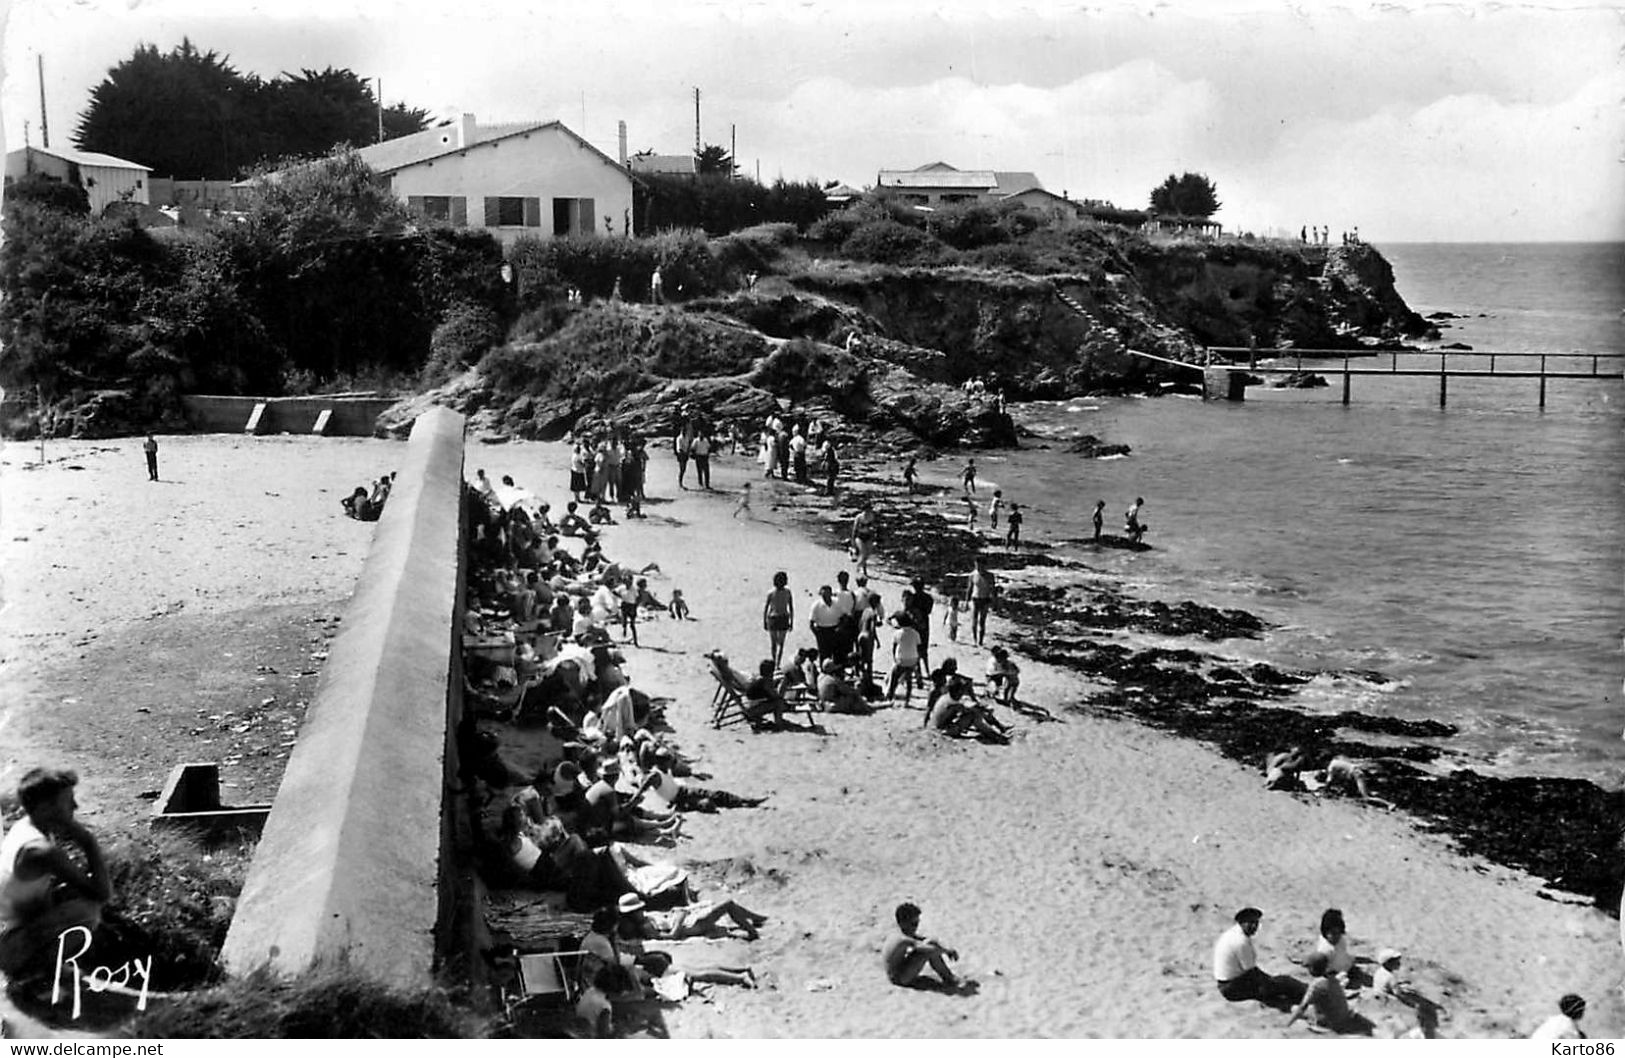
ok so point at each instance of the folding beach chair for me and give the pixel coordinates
(544, 977)
(728, 703)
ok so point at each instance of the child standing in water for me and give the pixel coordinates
(994, 506)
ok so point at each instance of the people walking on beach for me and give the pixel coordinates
(778, 614)
(700, 452)
(1012, 538)
(657, 287)
(150, 447)
(831, 464)
(862, 540)
(907, 954)
(682, 442)
(1235, 965)
(953, 606)
(967, 477)
(982, 588)
(1099, 518)
(1565, 1024)
(910, 474)
(917, 603)
(744, 502)
(994, 506)
(1131, 520)
(53, 877)
(578, 469)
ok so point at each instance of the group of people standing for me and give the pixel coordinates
(799, 450)
(610, 467)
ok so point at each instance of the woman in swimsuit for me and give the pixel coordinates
(778, 614)
(863, 538)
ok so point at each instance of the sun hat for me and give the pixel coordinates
(1572, 1006)
(1386, 956)
(1249, 914)
(629, 903)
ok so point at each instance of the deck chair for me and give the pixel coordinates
(544, 977)
(728, 703)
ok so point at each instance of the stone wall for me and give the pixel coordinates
(355, 863)
(352, 416)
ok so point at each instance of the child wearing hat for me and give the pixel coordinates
(1565, 1024)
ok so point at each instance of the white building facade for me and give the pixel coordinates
(106, 179)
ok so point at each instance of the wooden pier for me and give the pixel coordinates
(1539, 366)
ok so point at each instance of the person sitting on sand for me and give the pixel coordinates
(1235, 965)
(1385, 981)
(678, 607)
(955, 714)
(1565, 1024)
(1003, 676)
(1329, 1003)
(907, 954)
(763, 700)
(658, 766)
(1333, 943)
(1281, 769)
(44, 891)
(836, 693)
(692, 920)
(572, 524)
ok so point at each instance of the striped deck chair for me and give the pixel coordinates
(728, 703)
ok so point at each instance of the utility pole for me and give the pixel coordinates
(696, 121)
(733, 152)
(44, 122)
(380, 110)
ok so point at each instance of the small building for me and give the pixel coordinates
(663, 165)
(841, 195)
(1061, 211)
(106, 179)
(940, 184)
(534, 178)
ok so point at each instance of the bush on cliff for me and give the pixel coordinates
(888, 242)
(593, 265)
(465, 333)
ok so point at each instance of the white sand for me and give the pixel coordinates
(1082, 872)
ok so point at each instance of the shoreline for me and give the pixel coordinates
(1083, 871)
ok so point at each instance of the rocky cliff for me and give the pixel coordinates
(923, 331)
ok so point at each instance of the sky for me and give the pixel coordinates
(1414, 122)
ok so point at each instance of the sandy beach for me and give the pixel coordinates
(1083, 872)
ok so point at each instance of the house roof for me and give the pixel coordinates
(1040, 193)
(1013, 183)
(942, 176)
(419, 147)
(681, 164)
(935, 178)
(841, 192)
(105, 161)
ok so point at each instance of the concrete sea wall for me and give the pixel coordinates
(356, 861)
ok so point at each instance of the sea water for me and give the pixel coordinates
(1471, 554)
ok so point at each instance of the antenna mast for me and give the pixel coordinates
(696, 121)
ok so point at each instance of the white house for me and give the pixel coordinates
(106, 179)
(523, 178)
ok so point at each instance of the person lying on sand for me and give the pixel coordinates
(907, 954)
(693, 920)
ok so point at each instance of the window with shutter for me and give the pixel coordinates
(491, 212)
(459, 210)
(589, 217)
(533, 213)
(414, 202)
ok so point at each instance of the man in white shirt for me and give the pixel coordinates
(826, 620)
(1565, 1024)
(1235, 965)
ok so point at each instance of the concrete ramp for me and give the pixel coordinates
(322, 419)
(256, 419)
(350, 865)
